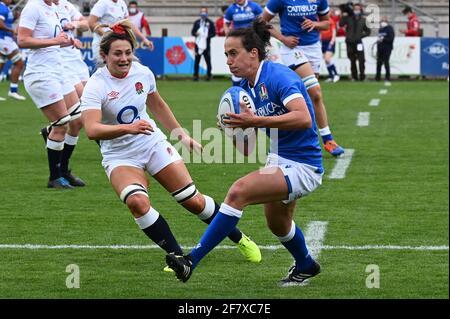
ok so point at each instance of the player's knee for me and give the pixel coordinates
(279, 228)
(236, 196)
(58, 132)
(188, 197)
(195, 204)
(135, 196)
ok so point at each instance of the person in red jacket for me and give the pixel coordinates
(220, 30)
(138, 18)
(413, 25)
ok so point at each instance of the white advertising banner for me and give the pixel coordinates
(405, 58)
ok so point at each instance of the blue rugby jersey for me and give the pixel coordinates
(242, 16)
(8, 18)
(292, 14)
(275, 86)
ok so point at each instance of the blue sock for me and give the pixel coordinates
(332, 67)
(330, 70)
(297, 247)
(13, 87)
(217, 231)
(326, 138)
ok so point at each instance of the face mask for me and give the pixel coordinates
(132, 10)
(383, 24)
(337, 13)
(203, 15)
(357, 13)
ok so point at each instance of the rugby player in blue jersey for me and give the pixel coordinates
(301, 22)
(240, 15)
(294, 164)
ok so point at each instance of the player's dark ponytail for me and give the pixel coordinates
(256, 36)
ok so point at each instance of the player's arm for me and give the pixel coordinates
(80, 24)
(163, 114)
(4, 27)
(226, 27)
(141, 36)
(297, 118)
(289, 41)
(322, 25)
(25, 40)
(96, 130)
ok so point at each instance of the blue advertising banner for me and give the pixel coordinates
(434, 57)
(153, 59)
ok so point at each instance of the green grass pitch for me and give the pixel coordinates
(395, 193)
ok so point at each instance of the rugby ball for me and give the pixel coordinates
(230, 103)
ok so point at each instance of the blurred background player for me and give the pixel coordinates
(105, 13)
(131, 144)
(301, 51)
(241, 15)
(40, 30)
(220, 22)
(9, 49)
(138, 18)
(203, 30)
(328, 39)
(413, 24)
(385, 45)
(294, 164)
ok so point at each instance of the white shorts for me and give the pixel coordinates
(302, 179)
(301, 54)
(76, 70)
(151, 159)
(7, 46)
(46, 88)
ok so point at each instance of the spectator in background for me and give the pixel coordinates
(138, 18)
(356, 29)
(203, 30)
(328, 39)
(335, 15)
(220, 23)
(384, 48)
(413, 25)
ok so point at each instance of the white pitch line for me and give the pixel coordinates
(374, 102)
(363, 119)
(263, 247)
(342, 163)
(383, 92)
(314, 236)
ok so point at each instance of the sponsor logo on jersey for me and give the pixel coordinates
(139, 88)
(113, 95)
(263, 92)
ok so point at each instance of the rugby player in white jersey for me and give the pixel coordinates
(113, 110)
(105, 13)
(9, 49)
(41, 32)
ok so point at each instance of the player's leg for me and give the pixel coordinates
(57, 114)
(16, 70)
(279, 217)
(2, 64)
(266, 185)
(306, 72)
(130, 184)
(175, 178)
(71, 139)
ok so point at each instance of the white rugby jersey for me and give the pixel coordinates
(108, 12)
(122, 101)
(43, 20)
(67, 13)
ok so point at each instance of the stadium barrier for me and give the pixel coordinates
(412, 56)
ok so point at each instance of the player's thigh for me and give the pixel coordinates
(123, 176)
(304, 70)
(174, 176)
(55, 110)
(262, 186)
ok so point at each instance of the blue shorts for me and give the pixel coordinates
(326, 47)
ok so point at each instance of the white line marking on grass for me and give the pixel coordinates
(363, 119)
(374, 102)
(342, 163)
(263, 247)
(314, 236)
(383, 92)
